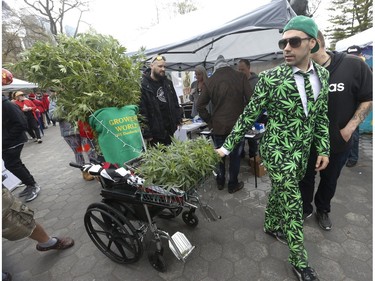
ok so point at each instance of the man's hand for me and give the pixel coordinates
(220, 152)
(321, 163)
(360, 114)
(346, 134)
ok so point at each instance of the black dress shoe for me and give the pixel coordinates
(238, 187)
(305, 274)
(351, 163)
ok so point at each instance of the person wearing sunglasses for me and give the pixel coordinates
(295, 95)
(350, 100)
(159, 105)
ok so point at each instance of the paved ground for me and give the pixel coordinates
(233, 248)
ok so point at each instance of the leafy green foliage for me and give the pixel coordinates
(89, 72)
(182, 164)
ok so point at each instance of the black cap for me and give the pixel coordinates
(354, 50)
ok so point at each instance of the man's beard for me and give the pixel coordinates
(160, 75)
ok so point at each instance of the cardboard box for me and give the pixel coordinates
(10, 181)
(260, 170)
(257, 159)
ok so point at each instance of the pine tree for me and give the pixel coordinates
(348, 17)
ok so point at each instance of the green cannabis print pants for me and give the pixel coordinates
(285, 147)
(284, 213)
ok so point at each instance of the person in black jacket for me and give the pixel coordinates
(350, 100)
(159, 105)
(13, 136)
(228, 91)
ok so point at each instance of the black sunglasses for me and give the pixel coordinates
(294, 42)
(158, 58)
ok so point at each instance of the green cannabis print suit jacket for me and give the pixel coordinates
(285, 146)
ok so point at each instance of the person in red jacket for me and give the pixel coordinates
(39, 111)
(29, 109)
(45, 101)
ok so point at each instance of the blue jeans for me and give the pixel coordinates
(234, 162)
(353, 155)
(328, 181)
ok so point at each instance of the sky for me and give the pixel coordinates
(126, 20)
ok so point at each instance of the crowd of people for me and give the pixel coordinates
(307, 132)
(36, 107)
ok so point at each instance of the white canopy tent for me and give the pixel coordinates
(200, 37)
(18, 85)
(362, 39)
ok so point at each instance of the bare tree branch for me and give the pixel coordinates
(55, 11)
(313, 6)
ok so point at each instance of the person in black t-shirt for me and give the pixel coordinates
(350, 100)
(159, 105)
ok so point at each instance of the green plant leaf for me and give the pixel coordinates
(182, 164)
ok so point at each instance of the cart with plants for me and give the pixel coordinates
(164, 182)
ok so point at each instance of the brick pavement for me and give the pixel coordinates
(233, 248)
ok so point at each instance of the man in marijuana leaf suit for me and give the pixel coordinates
(295, 95)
